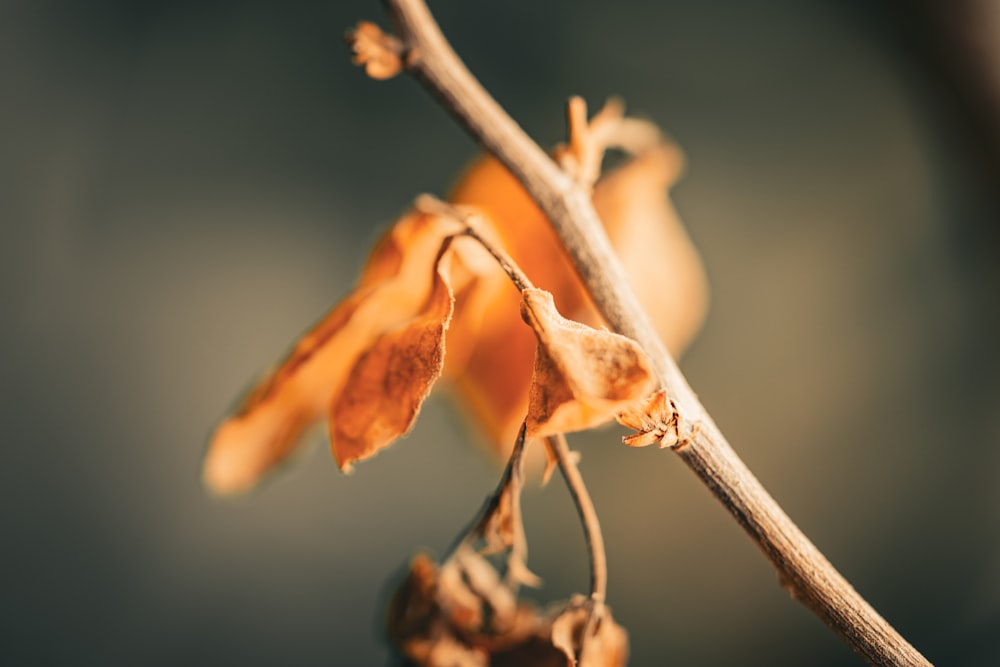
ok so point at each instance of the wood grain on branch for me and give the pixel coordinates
(802, 569)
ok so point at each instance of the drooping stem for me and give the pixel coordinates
(802, 569)
(588, 516)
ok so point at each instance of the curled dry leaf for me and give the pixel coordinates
(660, 261)
(582, 376)
(388, 384)
(402, 303)
(662, 265)
(463, 614)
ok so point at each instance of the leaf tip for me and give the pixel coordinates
(225, 471)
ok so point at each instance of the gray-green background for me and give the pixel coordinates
(185, 186)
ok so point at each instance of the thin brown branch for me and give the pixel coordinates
(802, 569)
(588, 516)
(433, 205)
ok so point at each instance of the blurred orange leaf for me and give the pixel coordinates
(384, 391)
(398, 283)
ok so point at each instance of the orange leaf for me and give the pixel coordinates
(493, 383)
(582, 377)
(663, 268)
(268, 426)
(389, 383)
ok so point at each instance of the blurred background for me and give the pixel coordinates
(186, 186)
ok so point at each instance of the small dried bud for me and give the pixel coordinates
(378, 52)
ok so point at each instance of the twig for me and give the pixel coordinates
(802, 569)
(588, 516)
(431, 204)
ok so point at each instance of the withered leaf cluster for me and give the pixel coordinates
(463, 614)
(433, 302)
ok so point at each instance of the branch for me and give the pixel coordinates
(802, 569)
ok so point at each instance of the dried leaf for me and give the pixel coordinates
(271, 421)
(483, 582)
(588, 636)
(662, 265)
(494, 381)
(464, 614)
(384, 391)
(422, 611)
(582, 376)
(394, 288)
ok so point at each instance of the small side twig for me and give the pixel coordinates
(588, 516)
(805, 572)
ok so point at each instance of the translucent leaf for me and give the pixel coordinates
(396, 284)
(663, 266)
(383, 393)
